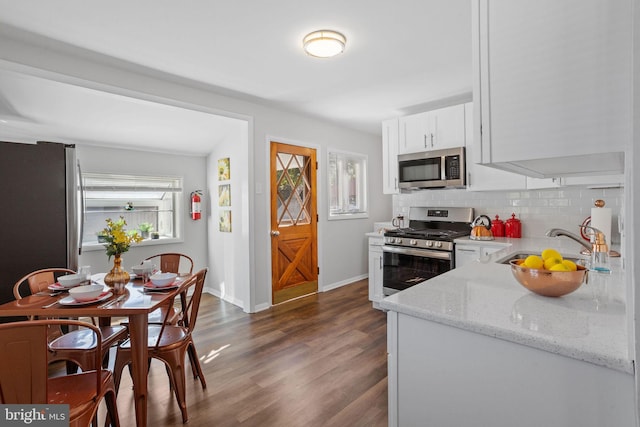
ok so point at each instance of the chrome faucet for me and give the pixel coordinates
(555, 232)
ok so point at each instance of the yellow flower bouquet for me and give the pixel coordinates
(118, 240)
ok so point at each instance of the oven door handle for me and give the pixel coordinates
(424, 253)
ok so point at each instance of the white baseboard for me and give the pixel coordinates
(217, 293)
(341, 283)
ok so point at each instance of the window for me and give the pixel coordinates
(149, 205)
(347, 173)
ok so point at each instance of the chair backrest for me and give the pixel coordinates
(25, 350)
(191, 301)
(170, 262)
(190, 296)
(39, 280)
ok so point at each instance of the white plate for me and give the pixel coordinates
(150, 287)
(71, 301)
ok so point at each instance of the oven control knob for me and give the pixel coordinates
(398, 240)
(438, 244)
(413, 242)
(429, 243)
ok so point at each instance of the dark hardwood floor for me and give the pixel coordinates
(316, 361)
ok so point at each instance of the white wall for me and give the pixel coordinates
(342, 246)
(125, 162)
(228, 276)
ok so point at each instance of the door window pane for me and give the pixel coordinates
(294, 189)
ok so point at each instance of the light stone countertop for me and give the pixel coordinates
(483, 296)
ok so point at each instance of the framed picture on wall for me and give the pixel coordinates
(224, 195)
(225, 221)
(224, 169)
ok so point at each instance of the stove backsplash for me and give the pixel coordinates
(538, 210)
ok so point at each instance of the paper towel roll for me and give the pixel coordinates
(601, 219)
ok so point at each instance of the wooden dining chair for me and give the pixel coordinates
(170, 262)
(24, 373)
(173, 262)
(171, 343)
(70, 346)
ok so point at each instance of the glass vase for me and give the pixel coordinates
(118, 277)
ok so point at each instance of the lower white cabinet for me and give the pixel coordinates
(473, 251)
(443, 376)
(375, 269)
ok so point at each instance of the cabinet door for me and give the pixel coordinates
(485, 251)
(486, 178)
(553, 79)
(390, 139)
(415, 133)
(466, 254)
(375, 272)
(449, 127)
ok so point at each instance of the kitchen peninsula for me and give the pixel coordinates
(474, 347)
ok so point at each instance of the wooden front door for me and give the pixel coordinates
(294, 247)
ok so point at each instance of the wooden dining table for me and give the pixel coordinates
(136, 305)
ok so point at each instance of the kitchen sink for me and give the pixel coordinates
(525, 254)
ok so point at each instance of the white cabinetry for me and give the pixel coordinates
(432, 130)
(494, 382)
(390, 135)
(553, 85)
(473, 251)
(375, 269)
(486, 178)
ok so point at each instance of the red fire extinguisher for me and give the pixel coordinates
(196, 210)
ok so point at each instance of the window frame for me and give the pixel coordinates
(363, 160)
(177, 208)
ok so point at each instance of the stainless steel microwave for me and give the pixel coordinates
(432, 169)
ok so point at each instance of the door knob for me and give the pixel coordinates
(275, 233)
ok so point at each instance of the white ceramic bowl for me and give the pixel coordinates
(163, 279)
(142, 269)
(70, 280)
(86, 293)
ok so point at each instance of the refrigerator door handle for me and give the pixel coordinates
(82, 201)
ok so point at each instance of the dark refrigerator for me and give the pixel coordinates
(42, 206)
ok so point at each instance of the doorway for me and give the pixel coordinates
(294, 235)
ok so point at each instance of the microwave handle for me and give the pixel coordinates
(443, 168)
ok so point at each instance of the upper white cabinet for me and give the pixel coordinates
(552, 84)
(485, 178)
(390, 135)
(432, 130)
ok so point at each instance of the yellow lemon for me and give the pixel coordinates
(533, 261)
(559, 267)
(570, 265)
(551, 261)
(548, 253)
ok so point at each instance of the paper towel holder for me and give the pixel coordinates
(600, 204)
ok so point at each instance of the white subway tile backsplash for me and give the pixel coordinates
(538, 210)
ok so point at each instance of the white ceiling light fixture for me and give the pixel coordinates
(324, 43)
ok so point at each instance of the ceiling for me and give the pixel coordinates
(400, 56)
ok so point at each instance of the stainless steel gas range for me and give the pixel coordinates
(425, 249)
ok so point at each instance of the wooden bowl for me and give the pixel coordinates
(548, 283)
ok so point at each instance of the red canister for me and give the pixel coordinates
(513, 227)
(497, 227)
